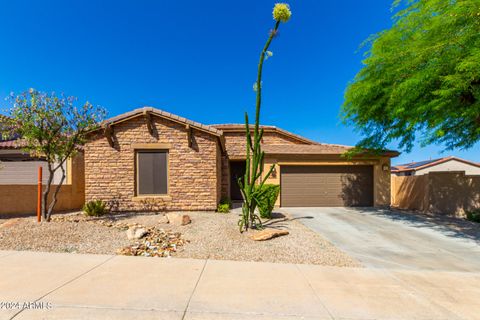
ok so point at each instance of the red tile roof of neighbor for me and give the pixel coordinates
(414, 166)
(10, 144)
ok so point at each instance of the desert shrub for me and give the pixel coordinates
(225, 205)
(226, 200)
(474, 215)
(95, 208)
(268, 197)
(223, 208)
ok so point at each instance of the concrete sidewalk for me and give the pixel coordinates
(117, 287)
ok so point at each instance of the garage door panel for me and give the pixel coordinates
(319, 186)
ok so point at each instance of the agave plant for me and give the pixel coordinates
(254, 179)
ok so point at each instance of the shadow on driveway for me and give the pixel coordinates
(448, 226)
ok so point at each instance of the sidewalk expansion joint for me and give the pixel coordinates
(314, 292)
(194, 289)
(66, 283)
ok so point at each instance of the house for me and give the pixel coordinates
(19, 178)
(149, 157)
(436, 165)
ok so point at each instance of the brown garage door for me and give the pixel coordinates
(327, 186)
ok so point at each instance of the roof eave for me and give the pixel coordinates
(159, 113)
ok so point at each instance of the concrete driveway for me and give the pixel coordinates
(393, 239)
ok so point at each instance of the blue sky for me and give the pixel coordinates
(197, 59)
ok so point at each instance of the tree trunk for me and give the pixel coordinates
(51, 172)
(57, 190)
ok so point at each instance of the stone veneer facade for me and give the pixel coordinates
(235, 145)
(194, 172)
(199, 174)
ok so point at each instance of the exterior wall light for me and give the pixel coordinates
(274, 171)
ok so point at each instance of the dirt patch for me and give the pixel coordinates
(210, 236)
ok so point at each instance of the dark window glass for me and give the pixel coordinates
(152, 172)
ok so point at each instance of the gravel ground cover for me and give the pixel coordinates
(210, 236)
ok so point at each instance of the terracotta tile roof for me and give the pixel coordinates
(319, 148)
(9, 144)
(413, 166)
(163, 114)
(309, 146)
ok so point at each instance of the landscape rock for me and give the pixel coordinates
(136, 233)
(178, 219)
(163, 219)
(157, 243)
(267, 234)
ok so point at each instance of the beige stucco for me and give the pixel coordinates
(450, 193)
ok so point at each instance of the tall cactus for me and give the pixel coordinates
(255, 157)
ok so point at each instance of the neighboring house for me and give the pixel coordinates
(150, 157)
(436, 165)
(19, 178)
(19, 167)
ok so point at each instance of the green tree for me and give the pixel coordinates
(421, 78)
(51, 127)
(252, 182)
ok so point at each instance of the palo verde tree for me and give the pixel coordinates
(51, 127)
(250, 185)
(421, 78)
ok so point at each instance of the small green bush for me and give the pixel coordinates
(225, 205)
(266, 202)
(95, 208)
(474, 215)
(226, 200)
(223, 208)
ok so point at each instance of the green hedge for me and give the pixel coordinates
(266, 202)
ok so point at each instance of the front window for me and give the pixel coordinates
(152, 172)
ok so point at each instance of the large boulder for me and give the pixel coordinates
(178, 219)
(267, 234)
(135, 233)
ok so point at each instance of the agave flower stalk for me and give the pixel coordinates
(254, 179)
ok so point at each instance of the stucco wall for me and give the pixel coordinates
(450, 193)
(192, 171)
(381, 178)
(22, 199)
(410, 192)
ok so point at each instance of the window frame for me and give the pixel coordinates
(137, 178)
